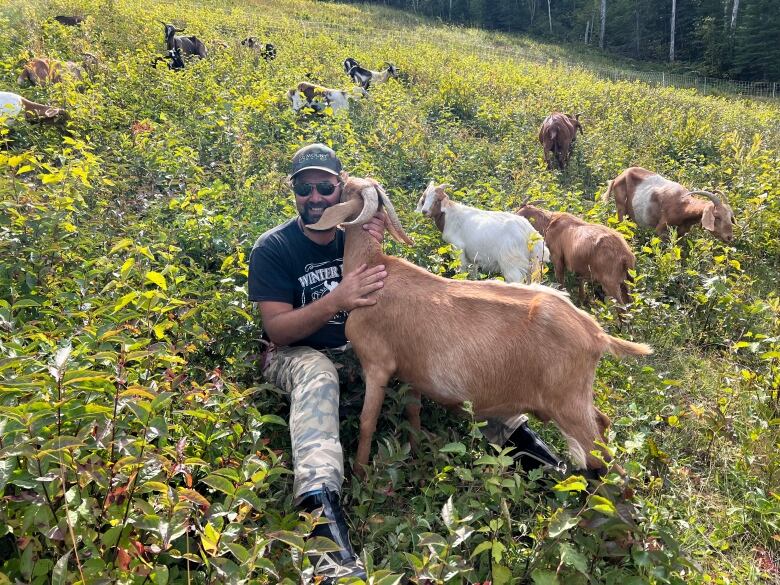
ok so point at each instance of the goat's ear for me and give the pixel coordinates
(708, 218)
(339, 213)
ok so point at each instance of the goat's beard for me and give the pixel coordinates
(311, 213)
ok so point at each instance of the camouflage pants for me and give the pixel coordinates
(311, 381)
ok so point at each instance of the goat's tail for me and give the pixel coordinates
(622, 348)
(608, 192)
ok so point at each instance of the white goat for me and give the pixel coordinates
(493, 240)
(318, 98)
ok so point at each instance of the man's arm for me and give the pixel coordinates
(285, 325)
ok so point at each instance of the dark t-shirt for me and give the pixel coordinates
(287, 267)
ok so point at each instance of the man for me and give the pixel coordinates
(295, 276)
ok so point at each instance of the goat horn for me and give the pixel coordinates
(721, 194)
(711, 196)
(394, 224)
(370, 204)
(333, 216)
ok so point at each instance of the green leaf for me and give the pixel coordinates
(160, 575)
(219, 483)
(157, 278)
(246, 495)
(59, 575)
(570, 556)
(603, 505)
(210, 538)
(294, 540)
(482, 547)
(542, 577)
(320, 544)
(561, 522)
(241, 554)
(457, 448)
(573, 483)
(501, 575)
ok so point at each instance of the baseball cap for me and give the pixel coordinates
(315, 156)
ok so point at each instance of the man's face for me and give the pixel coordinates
(311, 206)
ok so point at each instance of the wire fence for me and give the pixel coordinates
(704, 85)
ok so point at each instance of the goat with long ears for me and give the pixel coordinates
(507, 349)
(653, 201)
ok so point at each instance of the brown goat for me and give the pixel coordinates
(44, 71)
(557, 135)
(594, 252)
(650, 200)
(507, 349)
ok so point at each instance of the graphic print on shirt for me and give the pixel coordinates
(318, 280)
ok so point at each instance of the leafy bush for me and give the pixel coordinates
(138, 441)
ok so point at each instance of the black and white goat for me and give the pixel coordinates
(176, 61)
(188, 45)
(266, 50)
(364, 77)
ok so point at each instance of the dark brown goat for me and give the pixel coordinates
(594, 252)
(650, 200)
(557, 136)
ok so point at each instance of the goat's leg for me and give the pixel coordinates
(413, 407)
(372, 406)
(579, 425)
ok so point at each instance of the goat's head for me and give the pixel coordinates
(349, 63)
(539, 218)
(392, 69)
(249, 42)
(577, 124)
(361, 199)
(718, 217)
(432, 199)
(170, 30)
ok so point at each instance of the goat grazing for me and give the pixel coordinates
(191, 45)
(507, 349)
(266, 50)
(42, 71)
(594, 252)
(494, 240)
(557, 136)
(12, 104)
(363, 77)
(318, 98)
(69, 20)
(652, 201)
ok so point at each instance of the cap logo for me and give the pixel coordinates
(312, 156)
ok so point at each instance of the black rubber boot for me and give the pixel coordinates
(532, 452)
(332, 566)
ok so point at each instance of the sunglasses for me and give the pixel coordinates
(323, 188)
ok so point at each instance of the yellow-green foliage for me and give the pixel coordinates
(133, 417)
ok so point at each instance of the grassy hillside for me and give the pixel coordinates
(133, 419)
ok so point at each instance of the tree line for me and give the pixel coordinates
(724, 38)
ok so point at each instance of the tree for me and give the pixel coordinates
(603, 23)
(671, 36)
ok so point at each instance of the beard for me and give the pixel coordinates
(311, 213)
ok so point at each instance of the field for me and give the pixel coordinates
(138, 441)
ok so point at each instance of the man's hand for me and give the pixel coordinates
(376, 226)
(355, 286)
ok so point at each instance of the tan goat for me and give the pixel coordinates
(44, 71)
(505, 348)
(594, 252)
(650, 200)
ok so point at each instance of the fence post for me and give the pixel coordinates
(663, 79)
(705, 86)
(774, 87)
